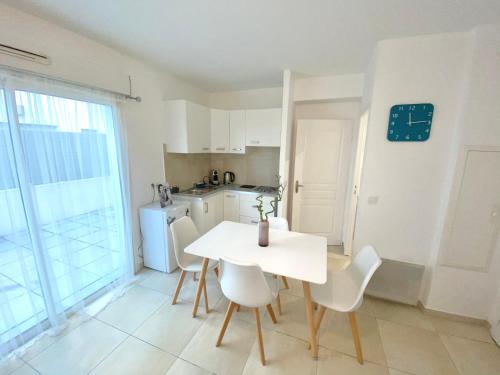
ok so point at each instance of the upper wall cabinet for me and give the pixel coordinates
(193, 128)
(263, 127)
(188, 127)
(219, 127)
(237, 132)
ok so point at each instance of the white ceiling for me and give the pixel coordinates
(237, 44)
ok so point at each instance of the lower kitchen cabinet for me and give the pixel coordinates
(249, 220)
(231, 206)
(248, 207)
(207, 212)
(226, 205)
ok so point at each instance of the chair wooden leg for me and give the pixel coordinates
(227, 318)
(271, 313)
(285, 281)
(200, 286)
(278, 300)
(216, 271)
(238, 308)
(355, 336)
(179, 286)
(317, 324)
(259, 337)
(205, 296)
(321, 314)
(194, 276)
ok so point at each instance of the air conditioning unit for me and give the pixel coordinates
(22, 54)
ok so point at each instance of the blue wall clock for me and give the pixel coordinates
(410, 122)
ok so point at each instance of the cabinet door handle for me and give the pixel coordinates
(206, 148)
(254, 221)
(255, 206)
(206, 206)
(220, 148)
(237, 149)
(255, 142)
(230, 196)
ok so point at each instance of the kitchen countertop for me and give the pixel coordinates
(232, 187)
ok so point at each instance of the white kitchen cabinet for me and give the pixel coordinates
(188, 127)
(219, 127)
(237, 136)
(231, 206)
(207, 212)
(263, 127)
(248, 207)
(249, 220)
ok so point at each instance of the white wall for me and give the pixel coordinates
(329, 87)
(459, 74)
(479, 125)
(247, 99)
(408, 178)
(284, 209)
(81, 59)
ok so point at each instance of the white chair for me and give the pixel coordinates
(184, 233)
(245, 284)
(279, 223)
(343, 291)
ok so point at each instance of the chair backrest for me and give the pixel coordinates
(244, 283)
(279, 223)
(184, 233)
(362, 268)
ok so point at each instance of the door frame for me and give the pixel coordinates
(355, 184)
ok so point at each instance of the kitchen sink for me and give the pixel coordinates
(199, 191)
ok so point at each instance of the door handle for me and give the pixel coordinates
(206, 207)
(297, 185)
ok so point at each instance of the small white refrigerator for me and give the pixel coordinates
(157, 246)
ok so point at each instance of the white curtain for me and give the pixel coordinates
(64, 211)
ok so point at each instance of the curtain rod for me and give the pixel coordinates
(74, 83)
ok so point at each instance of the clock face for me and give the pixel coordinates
(410, 122)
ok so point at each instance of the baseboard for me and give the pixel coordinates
(456, 317)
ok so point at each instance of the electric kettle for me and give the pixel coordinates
(229, 177)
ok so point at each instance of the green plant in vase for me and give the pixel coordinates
(263, 222)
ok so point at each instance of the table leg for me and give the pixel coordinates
(310, 318)
(201, 281)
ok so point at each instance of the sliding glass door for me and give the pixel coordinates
(62, 217)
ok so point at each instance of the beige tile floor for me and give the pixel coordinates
(142, 333)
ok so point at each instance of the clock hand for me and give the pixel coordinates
(409, 119)
(416, 122)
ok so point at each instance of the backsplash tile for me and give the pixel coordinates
(259, 166)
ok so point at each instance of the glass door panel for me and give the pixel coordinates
(72, 166)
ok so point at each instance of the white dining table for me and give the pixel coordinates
(295, 255)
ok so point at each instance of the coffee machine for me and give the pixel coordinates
(214, 177)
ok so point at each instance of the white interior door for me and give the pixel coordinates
(355, 186)
(322, 150)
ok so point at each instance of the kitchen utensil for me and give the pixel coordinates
(229, 177)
